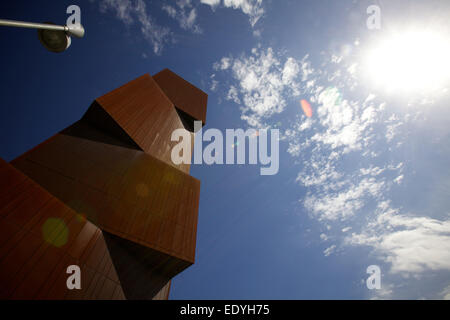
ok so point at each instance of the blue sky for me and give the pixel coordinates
(363, 181)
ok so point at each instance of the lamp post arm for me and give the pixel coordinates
(32, 25)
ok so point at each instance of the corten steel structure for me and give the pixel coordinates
(104, 194)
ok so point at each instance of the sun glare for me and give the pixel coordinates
(412, 61)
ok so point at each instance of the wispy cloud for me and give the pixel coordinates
(212, 3)
(263, 81)
(135, 12)
(409, 244)
(345, 203)
(445, 294)
(328, 251)
(252, 8)
(124, 9)
(185, 13)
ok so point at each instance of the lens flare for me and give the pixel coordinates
(55, 232)
(307, 110)
(414, 60)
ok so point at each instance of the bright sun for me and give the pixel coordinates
(411, 61)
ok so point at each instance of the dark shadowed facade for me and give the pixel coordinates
(104, 194)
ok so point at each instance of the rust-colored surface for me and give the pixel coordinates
(114, 168)
(123, 191)
(183, 95)
(35, 251)
(147, 116)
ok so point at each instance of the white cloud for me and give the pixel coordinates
(187, 21)
(371, 171)
(325, 174)
(171, 11)
(212, 3)
(264, 82)
(214, 83)
(184, 11)
(294, 150)
(344, 123)
(399, 179)
(410, 244)
(445, 294)
(328, 251)
(252, 8)
(185, 14)
(343, 204)
(323, 236)
(290, 72)
(224, 64)
(124, 9)
(384, 293)
(257, 33)
(130, 12)
(233, 95)
(307, 70)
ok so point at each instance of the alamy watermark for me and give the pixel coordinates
(216, 152)
(74, 280)
(374, 19)
(75, 15)
(374, 280)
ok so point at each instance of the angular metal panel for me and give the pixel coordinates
(123, 191)
(144, 112)
(40, 237)
(183, 95)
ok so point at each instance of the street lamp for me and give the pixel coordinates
(53, 37)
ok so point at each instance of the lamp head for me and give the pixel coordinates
(54, 40)
(59, 40)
